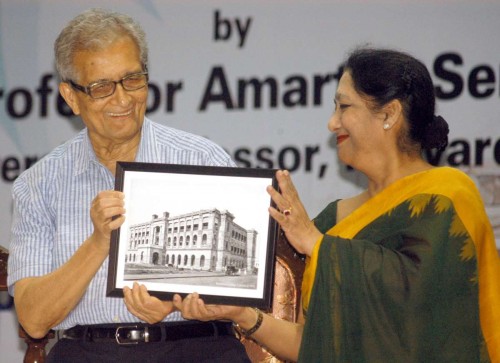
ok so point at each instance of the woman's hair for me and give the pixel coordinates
(94, 30)
(383, 75)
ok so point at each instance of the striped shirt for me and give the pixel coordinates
(51, 211)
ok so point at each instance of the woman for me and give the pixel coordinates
(407, 270)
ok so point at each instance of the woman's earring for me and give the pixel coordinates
(386, 126)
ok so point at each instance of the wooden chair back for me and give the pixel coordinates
(4, 256)
(289, 267)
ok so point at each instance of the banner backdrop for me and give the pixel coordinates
(258, 78)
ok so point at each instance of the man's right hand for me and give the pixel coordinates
(107, 214)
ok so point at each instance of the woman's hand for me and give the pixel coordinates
(292, 216)
(194, 308)
(279, 336)
(146, 307)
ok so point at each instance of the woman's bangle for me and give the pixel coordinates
(253, 329)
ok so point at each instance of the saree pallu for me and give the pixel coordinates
(413, 275)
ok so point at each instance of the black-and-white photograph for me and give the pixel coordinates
(195, 229)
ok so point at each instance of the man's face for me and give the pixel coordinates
(117, 118)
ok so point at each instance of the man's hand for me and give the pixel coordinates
(107, 214)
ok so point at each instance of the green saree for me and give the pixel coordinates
(402, 279)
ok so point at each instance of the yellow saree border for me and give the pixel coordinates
(468, 204)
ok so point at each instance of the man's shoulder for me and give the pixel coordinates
(176, 146)
(176, 137)
(65, 153)
(183, 141)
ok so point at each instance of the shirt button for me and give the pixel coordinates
(116, 319)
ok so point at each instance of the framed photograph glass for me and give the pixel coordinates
(197, 229)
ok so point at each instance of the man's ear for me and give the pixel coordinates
(68, 93)
(393, 112)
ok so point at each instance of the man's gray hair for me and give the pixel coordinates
(94, 30)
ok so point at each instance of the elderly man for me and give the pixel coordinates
(65, 204)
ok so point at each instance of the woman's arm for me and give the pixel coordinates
(281, 337)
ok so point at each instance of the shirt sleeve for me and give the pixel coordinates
(32, 233)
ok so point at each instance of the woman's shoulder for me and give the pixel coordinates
(448, 171)
(451, 182)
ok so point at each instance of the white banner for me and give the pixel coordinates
(258, 77)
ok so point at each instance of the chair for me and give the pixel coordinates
(4, 255)
(35, 351)
(289, 267)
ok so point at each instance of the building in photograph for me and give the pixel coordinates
(204, 240)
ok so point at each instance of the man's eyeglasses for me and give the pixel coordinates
(102, 89)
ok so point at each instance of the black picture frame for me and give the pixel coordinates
(189, 228)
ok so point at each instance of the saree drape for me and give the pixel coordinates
(413, 275)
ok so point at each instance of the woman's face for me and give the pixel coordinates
(359, 130)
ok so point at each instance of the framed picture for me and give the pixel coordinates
(197, 229)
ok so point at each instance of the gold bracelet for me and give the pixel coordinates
(253, 329)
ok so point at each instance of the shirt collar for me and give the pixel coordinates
(85, 153)
(147, 150)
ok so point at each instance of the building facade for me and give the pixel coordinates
(203, 240)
